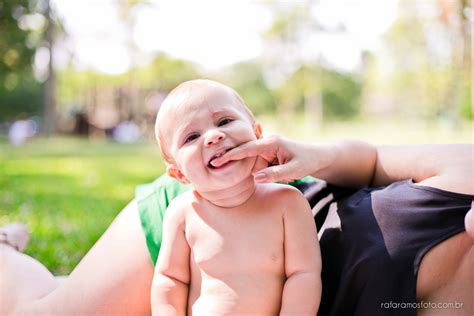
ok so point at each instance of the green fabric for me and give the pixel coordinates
(153, 199)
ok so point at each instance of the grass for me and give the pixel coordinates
(68, 190)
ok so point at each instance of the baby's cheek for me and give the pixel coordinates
(190, 169)
(245, 133)
(192, 174)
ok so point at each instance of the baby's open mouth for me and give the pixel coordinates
(218, 155)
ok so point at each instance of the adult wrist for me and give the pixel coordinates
(322, 157)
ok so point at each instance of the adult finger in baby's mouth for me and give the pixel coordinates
(223, 159)
(237, 153)
(218, 162)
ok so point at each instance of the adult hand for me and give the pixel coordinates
(281, 159)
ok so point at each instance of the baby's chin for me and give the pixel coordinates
(234, 175)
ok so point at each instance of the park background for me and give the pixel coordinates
(81, 82)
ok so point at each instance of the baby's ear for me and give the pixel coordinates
(174, 172)
(258, 130)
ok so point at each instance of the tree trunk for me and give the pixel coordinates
(49, 99)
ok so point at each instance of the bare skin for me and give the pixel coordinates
(241, 259)
(446, 275)
(230, 247)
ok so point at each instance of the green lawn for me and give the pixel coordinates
(68, 191)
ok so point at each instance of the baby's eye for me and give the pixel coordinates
(190, 138)
(224, 121)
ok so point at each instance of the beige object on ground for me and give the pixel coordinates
(15, 235)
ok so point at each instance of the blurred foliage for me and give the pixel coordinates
(20, 93)
(467, 108)
(417, 78)
(17, 46)
(303, 82)
(165, 73)
(24, 100)
(424, 67)
(408, 75)
(72, 84)
(340, 94)
(247, 79)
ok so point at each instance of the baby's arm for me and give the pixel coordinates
(169, 292)
(302, 290)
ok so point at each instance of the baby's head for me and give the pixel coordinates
(199, 121)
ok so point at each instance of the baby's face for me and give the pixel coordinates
(200, 126)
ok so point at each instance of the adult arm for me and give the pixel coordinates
(302, 289)
(169, 293)
(355, 163)
(447, 167)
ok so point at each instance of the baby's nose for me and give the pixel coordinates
(213, 138)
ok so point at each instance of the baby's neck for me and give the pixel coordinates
(231, 196)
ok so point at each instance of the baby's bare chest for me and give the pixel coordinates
(237, 243)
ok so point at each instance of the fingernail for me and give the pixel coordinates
(260, 176)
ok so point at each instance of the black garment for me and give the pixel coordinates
(372, 242)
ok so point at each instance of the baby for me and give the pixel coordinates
(230, 246)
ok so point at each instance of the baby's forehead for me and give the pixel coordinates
(189, 100)
(199, 98)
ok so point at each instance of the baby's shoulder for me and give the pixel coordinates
(287, 199)
(179, 206)
(281, 192)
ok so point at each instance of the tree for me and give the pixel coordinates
(19, 91)
(425, 63)
(49, 96)
(248, 80)
(165, 73)
(294, 70)
(27, 25)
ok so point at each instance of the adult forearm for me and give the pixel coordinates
(355, 163)
(168, 296)
(449, 167)
(301, 294)
(349, 163)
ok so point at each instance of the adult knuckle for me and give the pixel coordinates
(273, 139)
(276, 173)
(277, 139)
